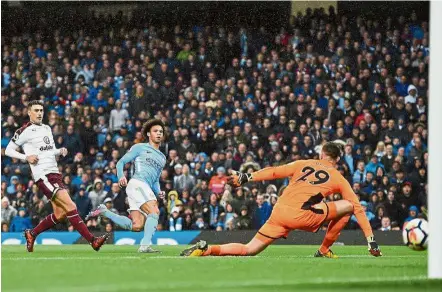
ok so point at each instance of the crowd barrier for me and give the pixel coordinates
(347, 237)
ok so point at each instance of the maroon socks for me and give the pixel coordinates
(72, 216)
(79, 225)
(45, 224)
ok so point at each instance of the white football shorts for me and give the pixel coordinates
(138, 193)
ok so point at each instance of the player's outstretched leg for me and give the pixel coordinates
(333, 232)
(47, 223)
(339, 214)
(122, 221)
(31, 234)
(150, 226)
(254, 247)
(63, 200)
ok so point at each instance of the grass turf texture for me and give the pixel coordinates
(279, 268)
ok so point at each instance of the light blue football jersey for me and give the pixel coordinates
(148, 163)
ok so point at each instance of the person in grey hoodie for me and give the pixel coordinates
(118, 117)
(98, 194)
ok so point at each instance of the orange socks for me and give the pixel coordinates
(333, 231)
(231, 249)
(212, 250)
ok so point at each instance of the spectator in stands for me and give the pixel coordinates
(12, 188)
(97, 194)
(218, 182)
(293, 91)
(200, 224)
(385, 224)
(8, 212)
(39, 211)
(118, 197)
(173, 201)
(376, 223)
(72, 142)
(360, 173)
(229, 217)
(109, 205)
(262, 211)
(100, 162)
(185, 180)
(175, 221)
(83, 202)
(19, 223)
(117, 117)
(243, 221)
(212, 212)
(5, 227)
(412, 214)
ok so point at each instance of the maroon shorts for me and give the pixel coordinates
(50, 184)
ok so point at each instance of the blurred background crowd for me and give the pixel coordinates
(239, 98)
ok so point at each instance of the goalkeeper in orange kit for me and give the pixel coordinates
(300, 207)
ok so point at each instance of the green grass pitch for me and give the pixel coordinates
(279, 268)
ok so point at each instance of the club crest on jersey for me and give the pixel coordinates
(46, 140)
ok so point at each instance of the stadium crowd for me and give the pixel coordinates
(237, 99)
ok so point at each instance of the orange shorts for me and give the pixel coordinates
(287, 218)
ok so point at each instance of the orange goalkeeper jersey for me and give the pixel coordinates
(311, 181)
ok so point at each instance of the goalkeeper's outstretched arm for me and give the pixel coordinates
(272, 173)
(268, 173)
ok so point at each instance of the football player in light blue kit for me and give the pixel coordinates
(144, 186)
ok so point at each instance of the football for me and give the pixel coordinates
(415, 234)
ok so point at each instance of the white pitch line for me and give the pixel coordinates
(179, 257)
(229, 284)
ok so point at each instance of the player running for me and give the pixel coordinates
(143, 187)
(301, 207)
(38, 145)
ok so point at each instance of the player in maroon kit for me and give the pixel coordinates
(37, 142)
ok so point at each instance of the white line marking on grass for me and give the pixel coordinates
(68, 258)
(226, 284)
(141, 257)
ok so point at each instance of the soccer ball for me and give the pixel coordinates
(415, 234)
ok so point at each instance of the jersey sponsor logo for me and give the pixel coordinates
(46, 148)
(46, 140)
(154, 163)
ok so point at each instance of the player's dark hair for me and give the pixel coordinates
(149, 124)
(35, 102)
(332, 150)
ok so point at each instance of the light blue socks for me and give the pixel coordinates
(149, 228)
(122, 221)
